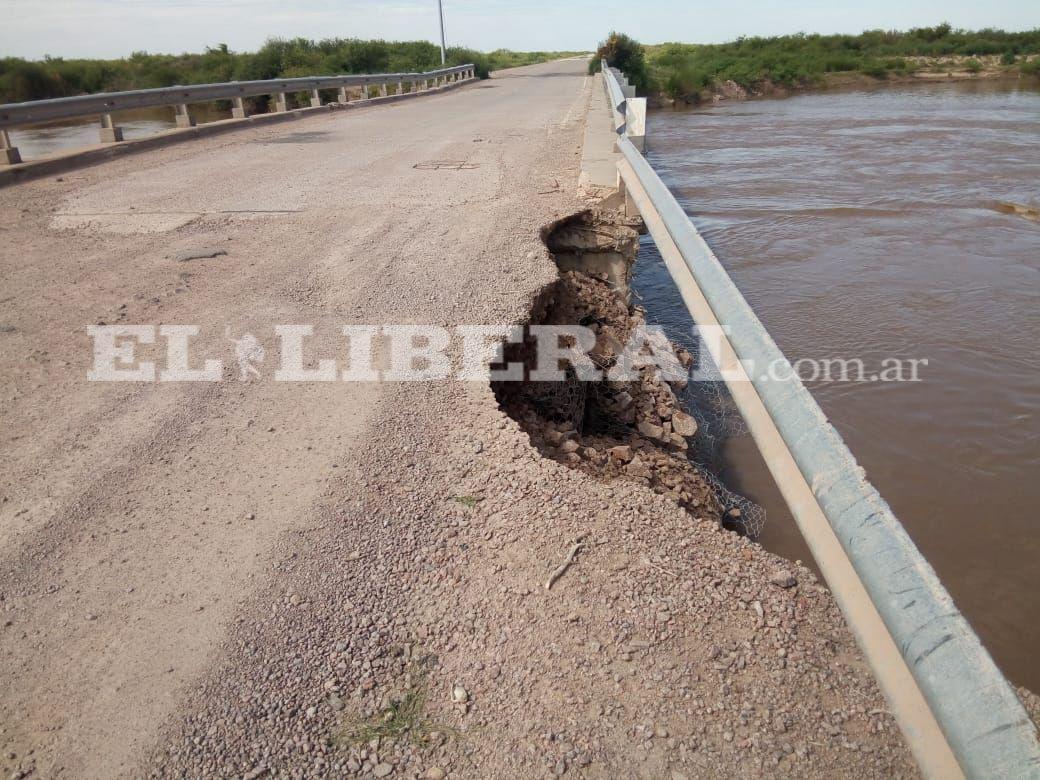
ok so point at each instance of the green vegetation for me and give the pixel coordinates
(623, 53)
(401, 718)
(54, 77)
(683, 70)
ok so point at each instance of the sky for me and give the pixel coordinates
(115, 28)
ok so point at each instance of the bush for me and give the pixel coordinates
(973, 66)
(20, 81)
(875, 69)
(625, 54)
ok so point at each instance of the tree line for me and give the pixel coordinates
(22, 80)
(683, 69)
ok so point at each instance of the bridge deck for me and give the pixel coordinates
(179, 562)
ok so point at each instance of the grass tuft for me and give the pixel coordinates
(403, 719)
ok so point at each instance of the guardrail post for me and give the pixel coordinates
(364, 91)
(400, 87)
(382, 90)
(315, 99)
(110, 134)
(279, 102)
(8, 154)
(183, 117)
(342, 96)
(238, 108)
(635, 122)
(631, 207)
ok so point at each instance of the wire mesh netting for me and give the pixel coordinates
(707, 399)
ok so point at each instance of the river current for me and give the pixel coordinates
(881, 224)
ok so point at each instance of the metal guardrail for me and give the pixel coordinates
(617, 99)
(105, 104)
(860, 545)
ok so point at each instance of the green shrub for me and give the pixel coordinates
(627, 55)
(874, 69)
(973, 66)
(794, 60)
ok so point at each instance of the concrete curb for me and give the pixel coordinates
(83, 158)
(598, 176)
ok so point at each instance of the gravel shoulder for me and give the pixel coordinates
(232, 579)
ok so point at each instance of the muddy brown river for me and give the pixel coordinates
(874, 224)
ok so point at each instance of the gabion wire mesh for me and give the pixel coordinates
(707, 399)
(718, 419)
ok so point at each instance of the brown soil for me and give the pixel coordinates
(637, 430)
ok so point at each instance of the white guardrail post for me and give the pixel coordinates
(959, 714)
(105, 105)
(8, 154)
(629, 110)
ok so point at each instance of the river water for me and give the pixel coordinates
(54, 137)
(868, 225)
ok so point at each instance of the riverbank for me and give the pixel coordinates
(925, 71)
(697, 73)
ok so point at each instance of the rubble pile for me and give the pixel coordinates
(633, 430)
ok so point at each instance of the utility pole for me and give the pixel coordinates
(440, 12)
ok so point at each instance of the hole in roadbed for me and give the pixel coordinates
(634, 430)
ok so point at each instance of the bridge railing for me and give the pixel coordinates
(104, 105)
(958, 712)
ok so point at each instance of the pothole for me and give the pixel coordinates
(636, 428)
